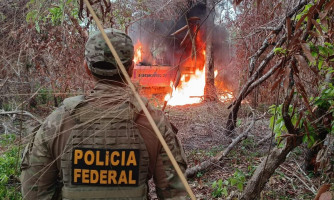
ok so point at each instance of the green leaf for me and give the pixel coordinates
(225, 191)
(37, 27)
(320, 64)
(233, 181)
(214, 184)
(240, 186)
(323, 51)
(220, 183)
(31, 16)
(279, 50)
(310, 141)
(314, 54)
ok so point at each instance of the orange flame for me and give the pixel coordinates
(138, 52)
(191, 89)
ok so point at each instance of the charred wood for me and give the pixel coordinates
(180, 30)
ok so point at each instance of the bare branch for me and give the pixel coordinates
(18, 112)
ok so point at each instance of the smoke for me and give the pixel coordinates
(156, 40)
(161, 48)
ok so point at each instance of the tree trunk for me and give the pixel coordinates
(210, 89)
(266, 169)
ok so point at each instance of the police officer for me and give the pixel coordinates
(101, 146)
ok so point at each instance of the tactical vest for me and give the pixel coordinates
(105, 156)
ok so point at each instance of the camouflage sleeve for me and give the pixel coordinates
(168, 184)
(39, 169)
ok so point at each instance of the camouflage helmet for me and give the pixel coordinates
(96, 50)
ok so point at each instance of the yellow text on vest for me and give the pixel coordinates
(112, 167)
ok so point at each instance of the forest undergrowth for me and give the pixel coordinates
(200, 132)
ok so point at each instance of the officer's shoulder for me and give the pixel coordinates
(69, 104)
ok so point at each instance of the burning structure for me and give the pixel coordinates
(170, 58)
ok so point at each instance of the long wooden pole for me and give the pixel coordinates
(141, 103)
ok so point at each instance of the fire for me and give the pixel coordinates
(190, 88)
(138, 53)
(226, 96)
(190, 91)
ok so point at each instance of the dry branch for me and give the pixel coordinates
(311, 188)
(19, 112)
(276, 30)
(208, 163)
(264, 140)
(231, 121)
(264, 77)
(246, 89)
(185, 37)
(179, 31)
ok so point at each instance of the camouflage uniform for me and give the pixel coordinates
(42, 175)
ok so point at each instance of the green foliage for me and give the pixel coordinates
(237, 180)
(199, 174)
(44, 96)
(280, 50)
(278, 124)
(324, 101)
(218, 188)
(7, 106)
(248, 142)
(306, 9)
(54, 15)
(9, 173)
(323, 54)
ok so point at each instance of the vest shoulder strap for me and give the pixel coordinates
(72, 102)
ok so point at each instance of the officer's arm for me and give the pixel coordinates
(39, 169)
(168, 183)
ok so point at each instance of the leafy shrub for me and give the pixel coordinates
(9, 173)
(237, 180)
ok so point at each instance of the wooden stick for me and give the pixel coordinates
(141, 103)
(185, 37)
(180, 30)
